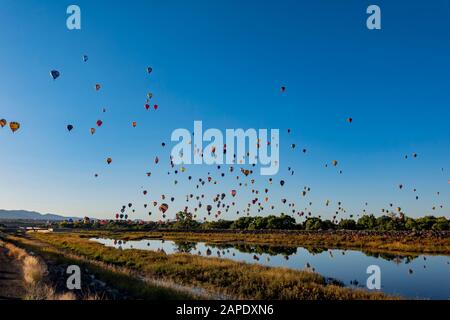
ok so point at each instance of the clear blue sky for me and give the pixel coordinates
(223, 62)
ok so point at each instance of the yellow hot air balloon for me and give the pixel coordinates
(14, 126)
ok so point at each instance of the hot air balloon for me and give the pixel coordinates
(282, 182)
(14, 126)
(335, 163)
(99, 123)
(350, 120)
(156, 160)
(54, 74)
(108, 161)
(69, 127)
(233, 193)
(85, 58)
(283, 89)
(134, 124)
(155, 107)
(97, 87)
(3, 122)
(149, 70)
(147, 106)
(92, 130)
(163, 207)
(149, 95)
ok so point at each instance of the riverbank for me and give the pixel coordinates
(394, 242)
(215, 277)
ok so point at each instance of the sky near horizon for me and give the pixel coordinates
(223, 62)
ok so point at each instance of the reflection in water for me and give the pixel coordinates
(414, 276)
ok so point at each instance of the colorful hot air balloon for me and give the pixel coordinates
(335, 163)
(69, 127)
(3, 122)
(92, 130)
(163, 207)
(14, 126)
(134, 123)
(149, 95)
(54, 74)
(97, 87)
(99, 123)
(109, 160)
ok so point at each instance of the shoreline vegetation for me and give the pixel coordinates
(401, 243)
(392, 234)
(207, 277)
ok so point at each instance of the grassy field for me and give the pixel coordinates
(211, 277)
(395, 242)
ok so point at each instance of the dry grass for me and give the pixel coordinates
(122, 277)
(34, 271)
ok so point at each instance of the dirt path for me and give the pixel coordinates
(11, 280)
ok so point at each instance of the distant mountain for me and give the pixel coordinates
(31, 215)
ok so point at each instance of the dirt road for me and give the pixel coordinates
(11, 280)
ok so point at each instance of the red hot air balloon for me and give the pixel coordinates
(99, 123)
(163, 207)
